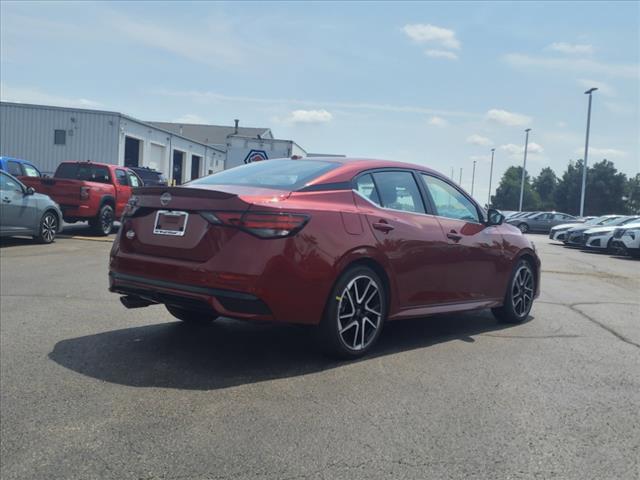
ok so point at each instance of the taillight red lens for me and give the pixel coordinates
(261, 224)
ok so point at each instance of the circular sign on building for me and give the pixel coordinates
(255, 156)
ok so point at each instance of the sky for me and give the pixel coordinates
(437, 84)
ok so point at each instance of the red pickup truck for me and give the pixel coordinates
(97, 192)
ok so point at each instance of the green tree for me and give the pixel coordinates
(632, 195)
(545, 185)
(605, 193)
(507, 195)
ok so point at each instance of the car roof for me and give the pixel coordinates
(14, 159)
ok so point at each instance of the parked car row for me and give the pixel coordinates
(35, 205)
(539, 221)
(608, 233)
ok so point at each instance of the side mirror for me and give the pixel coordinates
(494, 217)
(30, 191)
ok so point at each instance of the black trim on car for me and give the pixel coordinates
(217, 292)
(323, 187)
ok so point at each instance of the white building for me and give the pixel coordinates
(48, 135)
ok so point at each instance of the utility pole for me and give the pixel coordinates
(586, 152)
(524, 168)
(493, 150)
(460, 180)
(473, 177)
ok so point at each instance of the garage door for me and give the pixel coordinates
(157, 158)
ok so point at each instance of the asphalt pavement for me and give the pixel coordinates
(89, 389)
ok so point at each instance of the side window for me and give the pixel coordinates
(59, 137)
(8, 184)
(366, 188)
(449, 201)
(30, 170)
(121, 177)
(134, 181)
(99, 174)
(399, 191)
(14, 168)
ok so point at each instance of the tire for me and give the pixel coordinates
(48, 227)
(103, 222)
(354, 315)
(524, 228)
(193, 317)
(610, 248)
(518, 299)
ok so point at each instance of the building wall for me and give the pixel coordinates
(238, 148)
(28, 132)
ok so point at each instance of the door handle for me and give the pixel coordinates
(382, 226)
(453, 235)
(6, 200)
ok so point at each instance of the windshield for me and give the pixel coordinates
(282, 174)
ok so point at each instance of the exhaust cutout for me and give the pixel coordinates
(131, 301)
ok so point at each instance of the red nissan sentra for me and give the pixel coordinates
(344, 244)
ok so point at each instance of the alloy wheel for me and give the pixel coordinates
(49, 227)
(359, 312)
(522, 291)
(106, 220)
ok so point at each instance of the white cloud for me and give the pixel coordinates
(426, 33)
(619, 108)
(309, 116)
(518, 60)
(518, 150)
(32, 95)
(191, 118)
(601, 152)
(603, 88)
(213, 97)
(509, 119)
(441, 54)
(561, 124)
(571, 48)
(438, 122)
(476, 139)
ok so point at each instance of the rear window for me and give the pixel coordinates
(83, 171)
(278, 174)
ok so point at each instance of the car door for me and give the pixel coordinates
(123, 190)
(411, 239)
(476, 266)
(18, 214)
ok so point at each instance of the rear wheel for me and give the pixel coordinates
(103, 222)
(524, 228)
(354, 315)
(48, 228)
(518, 299)
(194, 317)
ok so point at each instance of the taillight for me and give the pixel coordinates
(260, 224)
(84, 193)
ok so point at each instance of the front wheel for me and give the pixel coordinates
(103, 223)
(193, 317)
(48, 228)
(354, 314)
(524, 228)
(519, 297)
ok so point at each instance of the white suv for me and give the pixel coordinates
(627, 239)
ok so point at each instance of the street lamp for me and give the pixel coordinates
(586, 151)
(460, 179)
(524, 167)
(473, 177)
(493, 150)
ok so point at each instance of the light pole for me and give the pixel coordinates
(460, 179)
(524, 167)
(493, 150)
(586, 151)
(452, 175)
(473, 177)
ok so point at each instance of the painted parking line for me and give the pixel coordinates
(90, 239)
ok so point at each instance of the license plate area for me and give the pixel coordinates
(170, 222)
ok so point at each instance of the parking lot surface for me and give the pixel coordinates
(89, 389)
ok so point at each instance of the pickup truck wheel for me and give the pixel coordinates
(193, 317)
(103, 223)
(48, 228)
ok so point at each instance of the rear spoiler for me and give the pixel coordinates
(183, 192)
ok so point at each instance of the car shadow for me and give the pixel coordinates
(6, 242)
(228, 353)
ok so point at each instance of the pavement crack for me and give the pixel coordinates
(619, 336)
